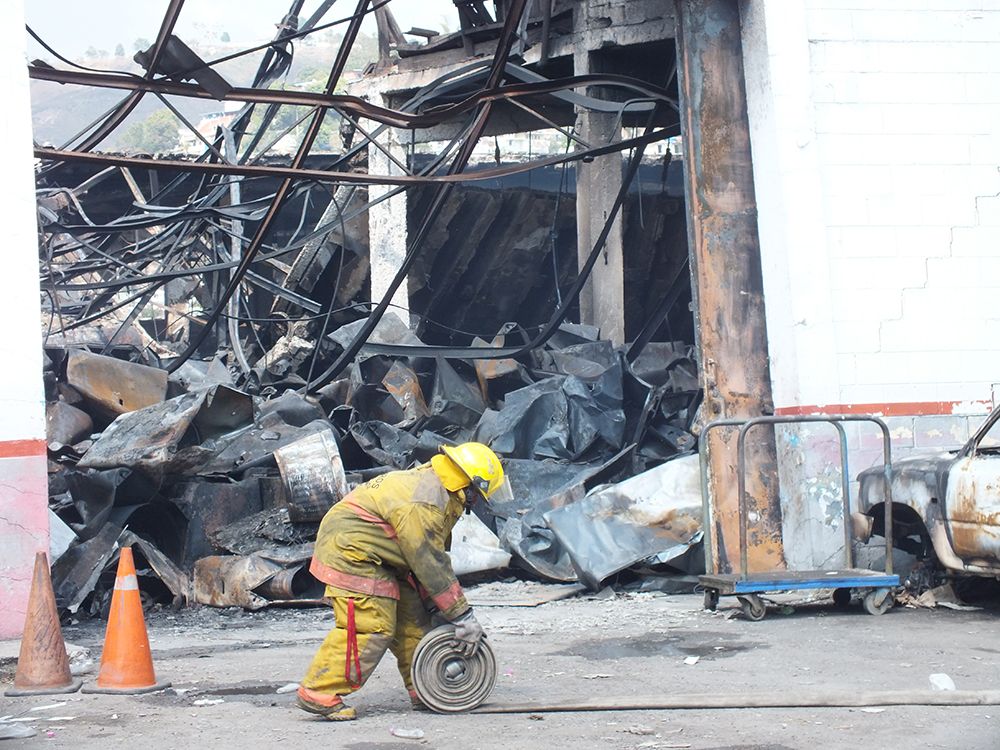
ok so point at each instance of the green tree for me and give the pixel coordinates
(161, 131)
(225, 37)
(156, 134)
(140, 44)
(132, 137)
(91, 52)
(120, 50)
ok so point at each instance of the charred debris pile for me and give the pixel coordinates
(217, 374)
(221, 490)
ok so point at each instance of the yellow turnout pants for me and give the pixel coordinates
(380, 623)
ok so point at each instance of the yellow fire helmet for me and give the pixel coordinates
(482, 466)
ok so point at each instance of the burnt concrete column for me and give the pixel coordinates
(387, 235)
(726, 275)
(602, 300)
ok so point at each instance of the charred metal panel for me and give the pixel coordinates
(210, 507)
(65, 424)
(489, 260)
(726, 272)
(657, 513)
(257, 580)
(153, 439)
(973, 508)
(113, 384)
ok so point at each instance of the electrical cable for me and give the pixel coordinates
(553, 231)
(300, 173)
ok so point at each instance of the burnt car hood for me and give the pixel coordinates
(929, 469)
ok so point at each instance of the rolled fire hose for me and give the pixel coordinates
(446, 680)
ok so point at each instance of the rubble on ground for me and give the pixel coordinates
(219, 478)
(219, 372)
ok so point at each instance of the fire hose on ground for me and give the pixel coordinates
(446, 680)
(449, 682)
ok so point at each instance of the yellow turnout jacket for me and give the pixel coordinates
(387, 528)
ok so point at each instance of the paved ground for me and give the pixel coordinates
(627, 646)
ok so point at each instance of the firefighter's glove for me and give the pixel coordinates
(468, 634)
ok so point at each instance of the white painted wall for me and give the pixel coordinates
(874, 129)
(22, 400)
(24, 523)
(789, 195)
(876, 154)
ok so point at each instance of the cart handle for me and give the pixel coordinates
(745, 425)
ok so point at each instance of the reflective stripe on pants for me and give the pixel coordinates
(381, 624)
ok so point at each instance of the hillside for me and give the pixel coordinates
(59, 112)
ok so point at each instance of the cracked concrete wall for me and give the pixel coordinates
(876, 171)
(24, 523)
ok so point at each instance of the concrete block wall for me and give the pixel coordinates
(24, 521)
(906, 99)
(877, 173)
(886, 126)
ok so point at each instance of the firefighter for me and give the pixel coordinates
(381, 551)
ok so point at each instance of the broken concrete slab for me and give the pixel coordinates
(287, 355)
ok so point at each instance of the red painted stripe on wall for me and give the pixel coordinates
(21, 448)
(899, 409)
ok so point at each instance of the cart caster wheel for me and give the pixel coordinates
(711, 599)
(842, 598)
(878, 601)
(753, 607)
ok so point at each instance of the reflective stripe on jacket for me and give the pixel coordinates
(393, 525)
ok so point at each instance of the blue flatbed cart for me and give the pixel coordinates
(874, 588)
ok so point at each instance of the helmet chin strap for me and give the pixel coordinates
(471, 495)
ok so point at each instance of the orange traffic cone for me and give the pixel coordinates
(126, 664)
(42, 667)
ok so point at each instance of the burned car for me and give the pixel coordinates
(946, 506)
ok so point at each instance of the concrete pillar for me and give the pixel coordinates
(726, 275)
(797, 282)
(24, 520)
(602, 301)
(387, 235)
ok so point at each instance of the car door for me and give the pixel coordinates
(972, 504)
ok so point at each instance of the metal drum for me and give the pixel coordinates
(313, 473)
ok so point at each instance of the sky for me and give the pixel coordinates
(72, 26)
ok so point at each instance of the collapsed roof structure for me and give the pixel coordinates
(265, 301)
